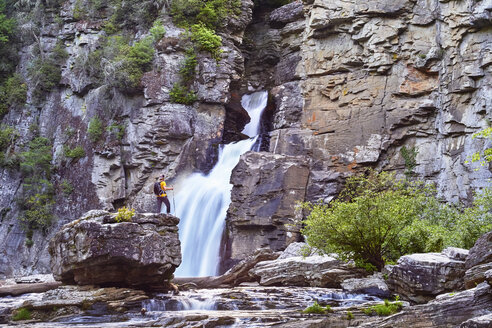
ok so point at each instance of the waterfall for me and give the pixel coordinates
(203, 200)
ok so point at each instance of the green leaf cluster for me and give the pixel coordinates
(124, 214)
(485, 157)
(117, 63)
(206, 39)
(118, 130)
(157, 30)
(378, 218)
(7, 137)
(182, 95)
(211, 13)
(386, 309)
(95, 129)
(75, 153)
(410, 157)
(7, 25)
(37, 199)
(317, 309)
(21, 314)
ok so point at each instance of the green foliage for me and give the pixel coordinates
(379, 218)
(7, 137)
(188, 69)
(318, 309)
(486, 157)
(205, 39)
(75, 153)
(21, 314)
(118, 64)
(13, 92)
(212, 13)
(36, 162)
(117, 130)
(388, 308)
(181, 95)
(409, 156)
(350, 315)
(7, 25)
(95, 129)
(124, 214)
(66, 187)
(157, 31)
(37, 197)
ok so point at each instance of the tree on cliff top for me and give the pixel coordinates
(378, 218)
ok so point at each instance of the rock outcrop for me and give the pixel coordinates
(315, 271)
(97, 250)
(479, 261)
(421, 277)
(266, 189)
(374, 285)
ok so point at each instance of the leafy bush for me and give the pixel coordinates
(157, 31)
(205, 39)
(12, 93)
(117, 130)
(318, 309)
(66, 187)
(37, 195)
(7, 25)
(212, 13)
(379, 218)
(188, 68)
(75, 153)
(409, 156)
(124, 214)
(384, 309)
(7, 137)
(21, 314)
(485, 157)
(95, 129)
(350, 315)
(181, 95)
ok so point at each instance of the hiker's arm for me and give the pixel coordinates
(168, 188)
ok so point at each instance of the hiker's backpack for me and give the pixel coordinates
(157, 188)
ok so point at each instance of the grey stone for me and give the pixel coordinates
(98, 250)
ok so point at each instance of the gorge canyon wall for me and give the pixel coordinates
(351, 84)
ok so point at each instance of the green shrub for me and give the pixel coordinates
(318, 309)
(384, 309)
(36, 162)
(66, 187)
(205, 39)
(182, 95)
(7, 138)
(409, 156)
(485, 157)
(117, 130)
(188, 68)
(378, 218)
(124, 214)
(95, 129)
(75, 153)
(13, 92)
(350, 315)
(157, 31)
(7, 25)
(21, 314)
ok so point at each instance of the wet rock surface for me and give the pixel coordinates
(98, 250)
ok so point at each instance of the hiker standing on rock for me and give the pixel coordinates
(160, 191)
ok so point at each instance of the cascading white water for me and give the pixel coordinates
(203, 200)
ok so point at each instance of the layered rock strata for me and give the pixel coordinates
(421, 277)
(97, 250)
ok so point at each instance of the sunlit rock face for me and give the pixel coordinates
(98, 250)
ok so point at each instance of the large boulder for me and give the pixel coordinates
(374, 285)
(314, 271)
(97, 250)
(479, 261)
(420, 277)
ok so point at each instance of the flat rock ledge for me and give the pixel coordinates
(97, 250)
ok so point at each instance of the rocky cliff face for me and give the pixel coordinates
(351, 84)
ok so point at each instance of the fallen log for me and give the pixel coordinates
(19, 289)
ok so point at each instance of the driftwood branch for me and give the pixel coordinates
(19, 289)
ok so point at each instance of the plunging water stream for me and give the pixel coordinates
(203, 199)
